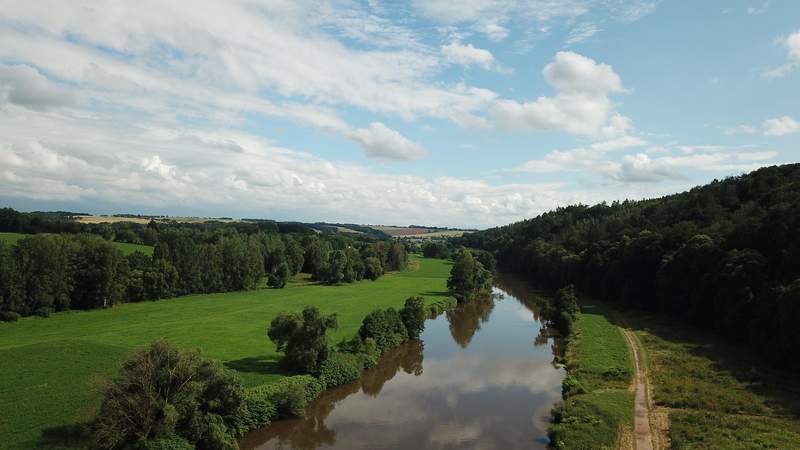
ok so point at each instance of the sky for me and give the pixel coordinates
(470, 113)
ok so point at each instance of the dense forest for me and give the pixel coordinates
(724, 257)
(69, 265)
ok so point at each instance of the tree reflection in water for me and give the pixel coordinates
(310, 432)
(466, 319)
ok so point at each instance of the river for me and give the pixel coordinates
(482, 378)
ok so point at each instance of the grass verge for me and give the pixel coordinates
(598, 404)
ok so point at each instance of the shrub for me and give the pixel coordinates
(340, 368)
(285, 398)
(162, 391)
(170, 442)
(572, 386)
(9, 316)
(385, 327)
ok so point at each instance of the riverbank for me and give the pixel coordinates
(705, 393)
(53, 368)
(597, 410)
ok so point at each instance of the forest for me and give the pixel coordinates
(723, 257)
(68, 265)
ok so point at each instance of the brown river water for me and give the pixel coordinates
(482, 378)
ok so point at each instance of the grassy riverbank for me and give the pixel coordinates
(598, 404)
(52, 367)
(714, 394)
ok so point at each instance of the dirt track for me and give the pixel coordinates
(642, 407)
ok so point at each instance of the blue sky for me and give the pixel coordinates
(471, 113)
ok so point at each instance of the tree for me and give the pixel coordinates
(162, 392)
(302, 338)
(468, 278)
(279, 278)
(385, 327)
(101, 274)
(372, 268)
(413, 315)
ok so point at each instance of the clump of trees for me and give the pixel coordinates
(468, 278)
(303, 340)
(45, 273)
(562, 311)
(163, 395)
(723, 257)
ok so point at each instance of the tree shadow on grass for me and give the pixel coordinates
(435, 294)
(777, 389)
(73, 435)
(258, 364)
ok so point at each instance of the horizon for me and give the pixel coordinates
(467, 115)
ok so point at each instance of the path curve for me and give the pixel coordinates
(641, 426)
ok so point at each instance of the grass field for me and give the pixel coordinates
(716, 394)
(598, 358)
(51, 367)
(124, 247)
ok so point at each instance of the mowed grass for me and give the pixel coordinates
(51, 368)
(598, 357)
(124, 247)
(719, 395)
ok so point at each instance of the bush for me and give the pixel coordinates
(340, 368)
(572, 386)
(285, 398)
(385, 327)
(162, 391)
(9, 316)
(171, 442)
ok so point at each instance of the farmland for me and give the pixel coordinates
(56, 364)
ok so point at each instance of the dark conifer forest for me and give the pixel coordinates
(723, 257)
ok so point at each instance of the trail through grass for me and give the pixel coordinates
(52, 366)
(717, 394)
(599, 361)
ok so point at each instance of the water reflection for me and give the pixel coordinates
(466, 320)
(482, 385)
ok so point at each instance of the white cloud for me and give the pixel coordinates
(25, 86)
(642, 168)
(581, 105)
(780, 126)
(583, 158)
(467, 55)
(581, 32)
(740, 129)
(792, 45)
(379, 141)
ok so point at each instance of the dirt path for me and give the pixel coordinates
(642, 407)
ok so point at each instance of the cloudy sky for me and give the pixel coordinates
(462, 113)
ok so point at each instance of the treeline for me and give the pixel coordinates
(724, 257)
(45, 273)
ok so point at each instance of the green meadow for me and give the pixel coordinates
(53, 368)
(124, 247)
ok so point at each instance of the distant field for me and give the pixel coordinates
(51, 367)
(124, 247)
(417, 232)
(145, 220)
